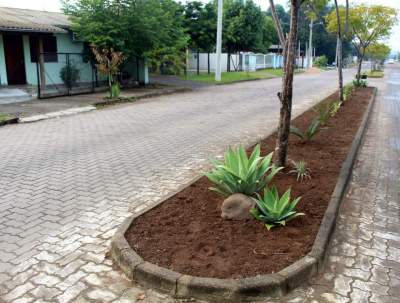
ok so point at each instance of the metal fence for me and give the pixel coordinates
(64, 74)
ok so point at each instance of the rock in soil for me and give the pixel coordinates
(237, 207)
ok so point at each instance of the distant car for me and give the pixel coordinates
(390, 61)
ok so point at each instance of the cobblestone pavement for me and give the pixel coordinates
(66, 184)
(364, 260)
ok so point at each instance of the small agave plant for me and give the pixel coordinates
(239, 173)
(273, 210)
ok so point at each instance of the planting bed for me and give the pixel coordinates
(186, 234)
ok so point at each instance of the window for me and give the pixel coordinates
(49, 48)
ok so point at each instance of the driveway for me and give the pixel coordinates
(66, 184)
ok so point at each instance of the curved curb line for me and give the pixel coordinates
(244, 289)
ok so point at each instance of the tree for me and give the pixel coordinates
(377, 52)
(130, 26)
(200, 23)
(367, 25)
(286, 95)
(242, 30)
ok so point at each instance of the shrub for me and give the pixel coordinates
(360, 83)
(335, 106)
(301, 169)
(347, 90)
(241, 174)
(321, 61)
(69, 74)
(115, 90)
(273, 210)
(323, 112)
(311, 131)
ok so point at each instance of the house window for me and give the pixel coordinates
(49, 48)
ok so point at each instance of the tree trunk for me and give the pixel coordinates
(339, 53)
(360, 60)
(287, 87)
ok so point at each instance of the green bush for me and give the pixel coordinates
(241, 174)
(273, 210)
(301, 169)
(360, 83)
(310, 132)
(69, 74)
(323, 112)
(115, 91)
(335, 106)
(321, 61)
(347, 90)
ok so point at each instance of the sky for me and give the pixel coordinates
(55, 5)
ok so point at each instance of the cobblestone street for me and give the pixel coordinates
(66, 185)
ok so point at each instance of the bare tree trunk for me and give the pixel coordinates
(287, 88)
(360, 60)
(340, 53)
(277, 23)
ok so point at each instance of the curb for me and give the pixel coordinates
(9, 121)
(244, 289)
(51, 115)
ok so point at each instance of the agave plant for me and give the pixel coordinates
(273, 210)
(347, 90)
(335, 106)
(241, 174)
(311, 131)
(301, 169)
(323, 112)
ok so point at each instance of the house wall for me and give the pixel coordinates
(3, 71)
(53, 69)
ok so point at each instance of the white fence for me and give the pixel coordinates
(204, 62)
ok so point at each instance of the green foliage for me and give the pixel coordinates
(142, 28)
(302, 170)
(241, 174)
(246, 28)
(311, 131)
(347, 90)
(323, 112)
(273, 210)
(115, 91)
(69, 74)
(335, 106)
(360, 83)
(321, 61)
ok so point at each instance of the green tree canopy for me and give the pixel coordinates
(135, 27)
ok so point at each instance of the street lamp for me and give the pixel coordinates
(219, 43)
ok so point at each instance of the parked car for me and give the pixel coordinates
(390, 61)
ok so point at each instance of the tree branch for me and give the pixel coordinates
(278, 26)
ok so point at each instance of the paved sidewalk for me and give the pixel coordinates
(66, 184)
(364, 262)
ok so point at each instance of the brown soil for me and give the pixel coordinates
(186, 233)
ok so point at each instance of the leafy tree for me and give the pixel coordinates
(366, 25)
(377, 52)
(130, 26)
(200, 23)
(242, 30)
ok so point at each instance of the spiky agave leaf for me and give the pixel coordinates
(273, 210)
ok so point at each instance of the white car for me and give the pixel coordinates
(390, 61)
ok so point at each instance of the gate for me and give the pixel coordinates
(66, 74)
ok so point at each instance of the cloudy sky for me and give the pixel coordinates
(54, 5)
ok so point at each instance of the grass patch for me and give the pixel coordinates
(375, 74)
(4, 117)
(235, 76)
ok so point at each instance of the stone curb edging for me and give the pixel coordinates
(244, 289)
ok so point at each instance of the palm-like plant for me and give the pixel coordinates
(310, 132)
(335, 106)
(273, 210)
(241, 174)
(323, 113)
(301, 169)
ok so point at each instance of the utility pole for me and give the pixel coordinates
(310, 48)
(219, 43)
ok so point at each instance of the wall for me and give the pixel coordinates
(52, 69)
(3, 71)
